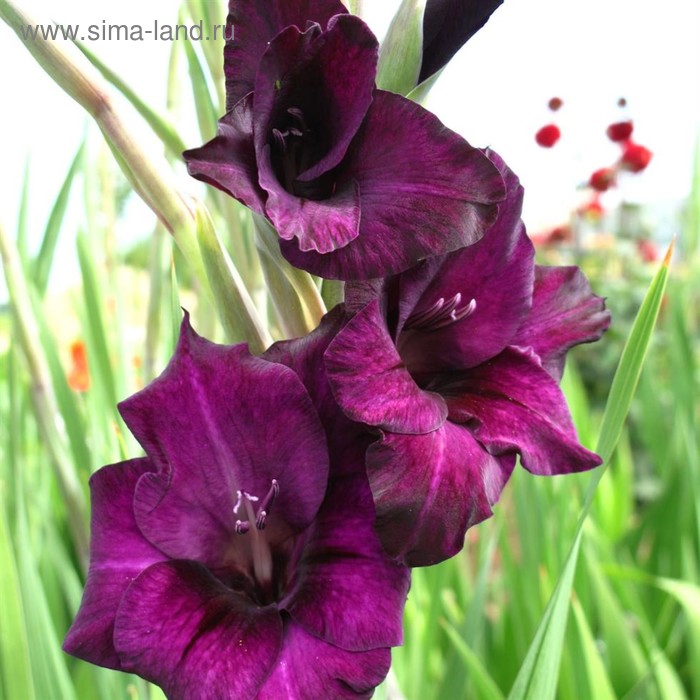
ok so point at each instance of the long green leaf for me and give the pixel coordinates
(537, 678)
(44, 260)
(235, 307)
(162, 127)
(16, 673)
(481, 680)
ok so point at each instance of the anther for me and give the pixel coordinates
(297, 114)
(263, 510)
(279, 139)
(241, 527)
(440, 314)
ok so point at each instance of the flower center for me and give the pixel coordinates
(295, 147)
(253, 525)
(441, 314)
(292, 145)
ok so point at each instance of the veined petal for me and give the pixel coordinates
(181, 628)
(118, 554)
(447, 26)
(497, 273)
(309, 668)
(349, 591)
(327, 78)
(228, 160)
(424, 191)
(419, 284)
(371, 383)
(565, 312)
(252, 24)
(215, 422)
(305, 356)
(511, 404)
(321, 226)
(429, 489)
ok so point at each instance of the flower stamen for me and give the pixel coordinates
(262, 557)
(440, 314)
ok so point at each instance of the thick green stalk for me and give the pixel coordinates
(235, 306)
(306, 310)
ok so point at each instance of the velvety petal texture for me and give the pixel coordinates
(252, 24)
(344, 573)
(565, 313)
(359, 183)
(447, 26)
(233, 553)
(424, 191)
(429, 489)
(512, 404)
(118, 554)
(179, 627)
(483, 332)
(495, 275)
(206, 423)
(236, 176)
(371, 383)
(308, 669)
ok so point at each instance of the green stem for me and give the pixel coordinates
(308, 307)
(43, 396)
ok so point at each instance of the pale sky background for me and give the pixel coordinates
(494, 93)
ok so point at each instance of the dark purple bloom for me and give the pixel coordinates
(231, 562)
(358, 182)
(447, 26)
(457, 363)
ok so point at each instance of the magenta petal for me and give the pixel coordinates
(181, 628)
(371, 383)
(512, 403)
(428, 489)
(565, 312)
(118, 554)
(228, 160)
(329, 77)
(334, 86)
(349, 592)
(305, 356)
(310, 669)
(217, 421)
(321, 226)
(424, 191)
(496, 273)
(251, 26)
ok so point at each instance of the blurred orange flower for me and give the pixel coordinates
(79, 373)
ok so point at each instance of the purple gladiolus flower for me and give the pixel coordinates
(232, 561)
(457, 363)
(358, 182)
(447, 26)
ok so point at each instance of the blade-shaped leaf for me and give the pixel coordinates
(537, 678)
